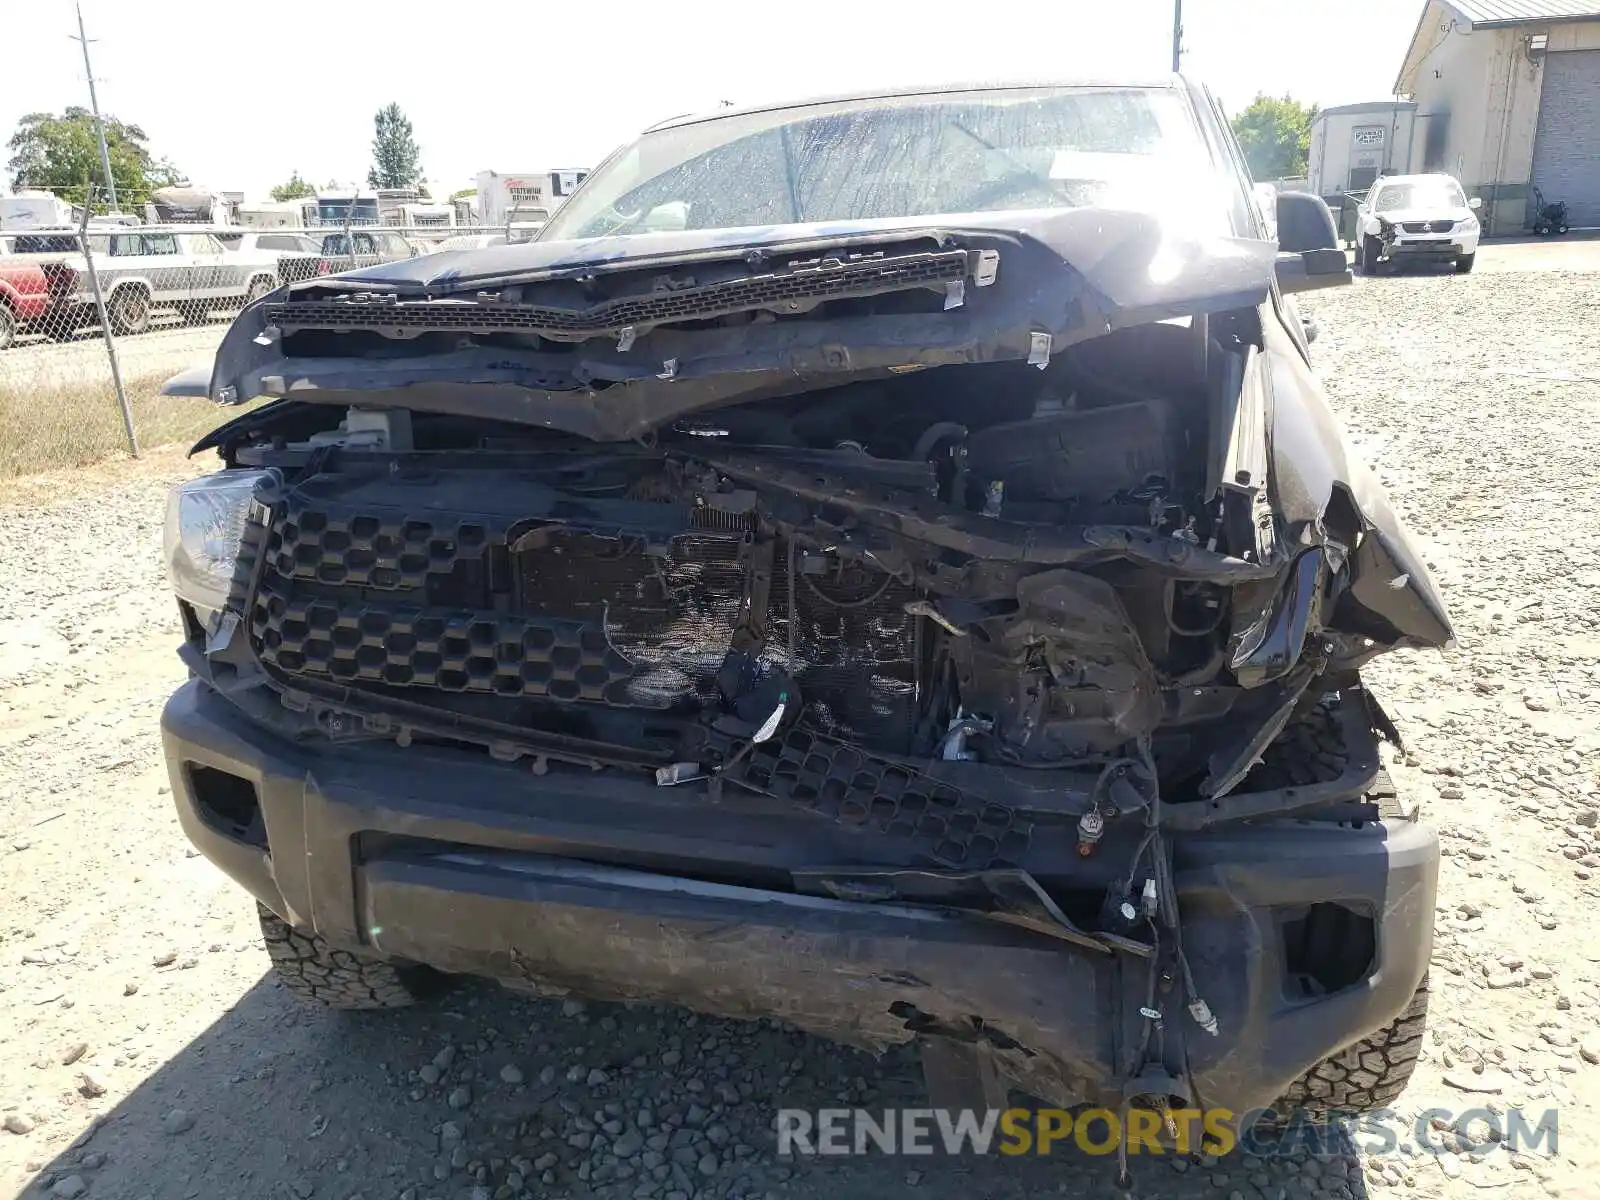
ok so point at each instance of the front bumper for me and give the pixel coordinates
(575, 881)
(1441, 246)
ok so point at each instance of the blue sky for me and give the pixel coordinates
(240, 95)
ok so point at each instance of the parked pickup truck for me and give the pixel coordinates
(917, 628)
(144, 272)
(31, 291)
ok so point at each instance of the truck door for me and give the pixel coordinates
(213, 273)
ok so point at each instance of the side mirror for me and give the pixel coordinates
(1309, 253)
(1475, 202)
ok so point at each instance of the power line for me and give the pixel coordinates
(83, 39)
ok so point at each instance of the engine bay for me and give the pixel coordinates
(990, 564)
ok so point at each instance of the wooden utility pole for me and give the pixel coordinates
(1177, 35)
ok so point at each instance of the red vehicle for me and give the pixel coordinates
(30, 289)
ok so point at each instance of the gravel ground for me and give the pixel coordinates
(148, 1054)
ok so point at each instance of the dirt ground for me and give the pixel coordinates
(145, 1051)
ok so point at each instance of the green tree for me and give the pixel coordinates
(295, 189)
(61, 154)
(396, 159)
(1275, 135)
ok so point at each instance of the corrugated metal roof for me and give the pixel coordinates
(1516, 12)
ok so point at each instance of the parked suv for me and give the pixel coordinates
(1417, 219)
(293, 255)
(918, 591)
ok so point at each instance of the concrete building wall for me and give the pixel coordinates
(1477, 94)
(1477, 107)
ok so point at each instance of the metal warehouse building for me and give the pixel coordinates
(1507, 96)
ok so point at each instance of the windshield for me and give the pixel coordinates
(956, 152)
(1430, 193)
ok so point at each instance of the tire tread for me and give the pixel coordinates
(307, 966)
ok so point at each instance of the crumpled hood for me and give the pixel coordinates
(1038, 282)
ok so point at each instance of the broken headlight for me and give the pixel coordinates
(205, 527)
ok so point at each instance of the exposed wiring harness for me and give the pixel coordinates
(1163, 920)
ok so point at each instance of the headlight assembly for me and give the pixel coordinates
(205, 527)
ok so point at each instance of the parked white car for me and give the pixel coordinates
(292, 255)
(1417, 219)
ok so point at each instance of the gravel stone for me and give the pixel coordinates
(176, 1121)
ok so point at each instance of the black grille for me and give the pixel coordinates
(670, 614)
(795, 289)
(1428, 226)
(405, 646)
(370, 550)
(858, 789)
(527, 611)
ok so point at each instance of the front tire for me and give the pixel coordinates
(1367, 1076)
(1370, 249)
(307, 966)
(8, 326)
(129, 311)
(1464, 263)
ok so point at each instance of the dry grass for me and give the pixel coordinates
(48, 425)
(164, 464)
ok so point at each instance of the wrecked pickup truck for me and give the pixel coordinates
(881, 563)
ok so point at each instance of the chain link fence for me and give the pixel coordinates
(94, 320)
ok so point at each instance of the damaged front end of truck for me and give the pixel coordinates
(908, 631)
